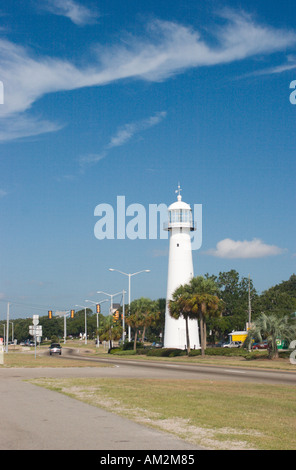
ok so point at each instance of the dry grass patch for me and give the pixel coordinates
(27, 359)
(217, 415)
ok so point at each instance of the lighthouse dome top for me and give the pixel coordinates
(179, 204)
(180, 214)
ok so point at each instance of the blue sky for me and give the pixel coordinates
(111, 98)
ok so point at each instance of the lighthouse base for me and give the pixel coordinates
(175, 333)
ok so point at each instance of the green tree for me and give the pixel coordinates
(279, 300)
(110, 330)
(143, 313)
(271, 328)
(156, 328)
(199, 299)
(234, 291)
(206, 304)
(180, 305)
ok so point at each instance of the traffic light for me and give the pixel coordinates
(50, 314)
(72, 313)
(116, 316)
(98, 308)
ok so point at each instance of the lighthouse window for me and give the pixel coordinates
(177, 244)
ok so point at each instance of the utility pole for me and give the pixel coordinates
(7, 327)
(249, 303)
(123, 317)
(250, 310)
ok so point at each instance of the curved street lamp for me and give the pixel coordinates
(96, 303)
(85, 324)
(129, 289)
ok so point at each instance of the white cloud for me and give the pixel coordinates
(255, 248)
(290, 64)
(125, 133)
(168, 49)
(18, 126)
(3, 193)
(79, 14)
(122, 136)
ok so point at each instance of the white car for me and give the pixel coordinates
(55, 348)
(233, 344)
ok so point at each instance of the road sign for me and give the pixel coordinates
(35, 319)
(35, 330)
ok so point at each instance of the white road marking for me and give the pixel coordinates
(234, 371)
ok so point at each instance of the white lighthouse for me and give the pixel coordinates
(180, 271)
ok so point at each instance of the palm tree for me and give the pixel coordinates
(196, 300)
(205, 303)
(142, 313)
(109, 330)
(180, 306)
(271, 328)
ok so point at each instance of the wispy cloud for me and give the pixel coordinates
(255, 248)
(3, 193)
(289, 64)
(125, 133)
(122, 136)
(77, 13)
(21, 125)
(166, 49)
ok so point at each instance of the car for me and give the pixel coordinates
(262, 345)
(55, 348)
(233, 344)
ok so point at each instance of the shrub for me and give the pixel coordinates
(220, 352)
(120, 352)
(128, 345)
(166, 352)
(142, 351)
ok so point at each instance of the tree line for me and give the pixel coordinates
(220, 303)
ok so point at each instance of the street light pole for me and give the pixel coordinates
(111, 297)
(123, 317)
(85, 323)
(63, 314)
(129, 290)
(7, 328)
(96, 303)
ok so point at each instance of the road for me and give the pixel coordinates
(35, 418)
(157, 369)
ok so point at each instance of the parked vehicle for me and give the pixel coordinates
(55, 348)
(262, 345)
(233, 344)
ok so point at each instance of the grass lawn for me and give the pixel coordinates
(27, 359)
(216, 415)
